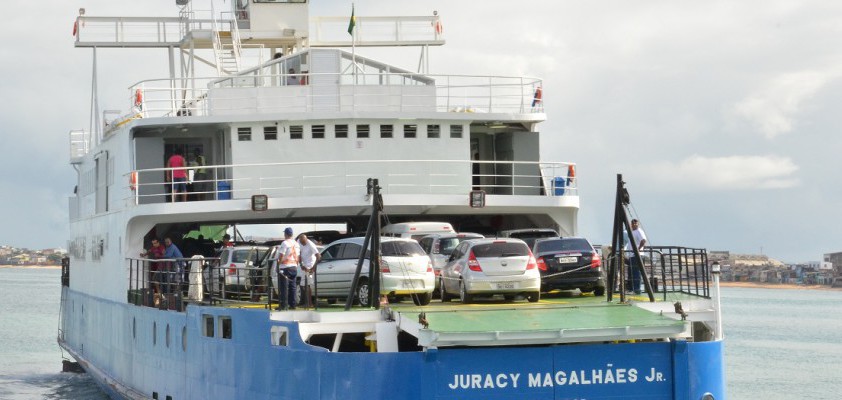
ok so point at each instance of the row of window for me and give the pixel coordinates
(244, 134)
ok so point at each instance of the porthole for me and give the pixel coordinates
(154, 333)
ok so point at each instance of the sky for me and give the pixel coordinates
(721, 115)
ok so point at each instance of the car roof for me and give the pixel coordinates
(360, 239)
(453, 235)
(247, 247)
(475, 242)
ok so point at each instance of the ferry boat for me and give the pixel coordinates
(287, 124)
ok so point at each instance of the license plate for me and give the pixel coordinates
(412, 284)
(567, 260)
(506, 285)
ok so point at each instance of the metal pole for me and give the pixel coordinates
(715, 270)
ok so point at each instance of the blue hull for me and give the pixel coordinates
(148, 351)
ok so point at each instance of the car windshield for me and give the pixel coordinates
(401, 249)
(500, 249)
(563, 245)
(241, 256)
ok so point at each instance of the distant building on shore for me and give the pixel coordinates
(835, 260)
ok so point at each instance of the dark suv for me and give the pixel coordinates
(569, 263)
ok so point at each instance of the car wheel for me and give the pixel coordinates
(445, 298)
(463, 293)
(599, 291)
(533, 297)
(362, 293)
(422, 299)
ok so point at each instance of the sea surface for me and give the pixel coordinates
(780, 343)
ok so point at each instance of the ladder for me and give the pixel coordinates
(227, 48)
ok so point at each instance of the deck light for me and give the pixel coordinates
(259, 202)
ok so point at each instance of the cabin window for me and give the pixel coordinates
(184, 338)
(225, 327)
(296, 132)
(167, 336)
(154, 333)
(270, 133)
(244, 134)
(386, 131)
(341, 131)
(207, 327)
(318, 131)
(409, 131)
(362, 131)
(456, 131)
(433, 131)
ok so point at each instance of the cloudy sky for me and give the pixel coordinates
(719, 114)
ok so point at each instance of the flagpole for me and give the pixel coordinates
(354, 43)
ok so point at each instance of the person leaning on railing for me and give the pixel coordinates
(173, 269)
(156, 251)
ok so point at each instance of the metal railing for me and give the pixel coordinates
(173, 283)
(676, 269)
(332, 178)
(267, 93)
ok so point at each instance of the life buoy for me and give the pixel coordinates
(133, 180)
(571, 174)
(138, 98)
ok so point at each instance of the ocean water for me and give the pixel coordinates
(780, 344)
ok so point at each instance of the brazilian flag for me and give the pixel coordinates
(352, 23)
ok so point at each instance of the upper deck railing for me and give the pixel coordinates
(398, 92)
(336, 178)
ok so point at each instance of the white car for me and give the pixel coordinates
(485, 267)
(405, 269)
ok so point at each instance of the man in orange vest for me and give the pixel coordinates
(289, 256)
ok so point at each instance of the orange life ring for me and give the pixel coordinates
(133, 180)
(138, 98)
(571, 174)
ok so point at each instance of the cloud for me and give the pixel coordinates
(698, 173)
(773, 109)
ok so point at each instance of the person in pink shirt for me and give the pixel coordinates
(178, 176)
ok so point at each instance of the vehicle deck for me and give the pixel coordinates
(558, 318)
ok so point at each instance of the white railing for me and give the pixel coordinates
(377, 31)
(333, 178)
(134, 31)
(258, 93)
(80, 144)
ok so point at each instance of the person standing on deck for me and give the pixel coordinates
(173, 269)
(178, 176)
(635, 263)
(289, 255)
(156, 251)
(200, 175)
(291, 79)
(309, 257)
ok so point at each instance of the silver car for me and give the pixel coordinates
(405, 269)
(485, 267)
(440, 245)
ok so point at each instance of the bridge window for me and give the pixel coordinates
(270, 133)
(296, 132)
(362, 131)
(409, 131)
(244, 134)
(341, 131)
(433, 131)
(318, 131)
(386, 131)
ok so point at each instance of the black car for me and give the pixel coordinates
(569, 263)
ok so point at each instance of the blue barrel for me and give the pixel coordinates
(559, 183)
(224, 190)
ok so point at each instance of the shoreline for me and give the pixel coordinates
(32, 266)
(759, 285)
